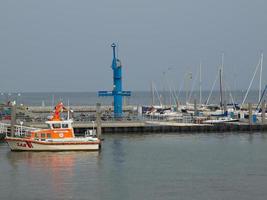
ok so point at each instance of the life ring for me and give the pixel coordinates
(60, 134)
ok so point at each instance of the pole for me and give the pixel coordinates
(152, 93)
(200, 83)
(221, 95)
(13, 118)
(98, 120)
(261, 61)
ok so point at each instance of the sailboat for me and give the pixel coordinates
(220, 115)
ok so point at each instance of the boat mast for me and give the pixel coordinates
(221, 89)
(260, 82)
(200, 84)
(221, 98)
(152, 93)
(251, 81)
(68, 109)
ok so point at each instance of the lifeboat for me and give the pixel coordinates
(59, 136)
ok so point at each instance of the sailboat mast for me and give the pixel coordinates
(68, 109)
(200, 84)
(260, 82)
(221, 97)
(221, 81)
(152, 93)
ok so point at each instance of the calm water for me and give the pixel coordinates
(151, 167)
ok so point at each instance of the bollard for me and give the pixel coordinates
(98, 120)
(263, 109)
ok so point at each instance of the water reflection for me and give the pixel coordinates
(49, 159)
(56, 168)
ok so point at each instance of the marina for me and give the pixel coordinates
(133, 100)
(134, 123)
(190, 115)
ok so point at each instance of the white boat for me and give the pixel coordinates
(58, 137)
(220, 120)
(29, 144)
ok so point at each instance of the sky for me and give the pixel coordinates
(64, 45)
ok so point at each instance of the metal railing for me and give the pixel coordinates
(20, 131)
(4, 128)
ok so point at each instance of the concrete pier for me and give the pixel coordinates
(138, 124)
(163, 127)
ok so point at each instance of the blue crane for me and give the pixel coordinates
(117, 92)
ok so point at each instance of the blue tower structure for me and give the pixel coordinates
(117, 92)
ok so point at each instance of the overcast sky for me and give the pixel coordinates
(64, 45)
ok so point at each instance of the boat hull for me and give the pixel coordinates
(20, 144)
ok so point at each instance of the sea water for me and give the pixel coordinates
(143, 166)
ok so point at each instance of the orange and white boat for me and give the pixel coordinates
(58, 137)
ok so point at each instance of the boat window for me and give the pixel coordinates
(56, 125)
(42, 135)
(36, 135)
(48, 135)
(65, 126)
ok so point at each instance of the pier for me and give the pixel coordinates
(86, 118)
(161, 127)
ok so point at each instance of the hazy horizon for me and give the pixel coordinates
(64, 45)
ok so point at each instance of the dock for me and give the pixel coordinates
(85, 119)
(162, 127)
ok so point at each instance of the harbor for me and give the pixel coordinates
(133, 100)
(84, 118)
(190, 115)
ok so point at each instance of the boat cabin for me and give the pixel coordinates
(56, 130)
(59, 124)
